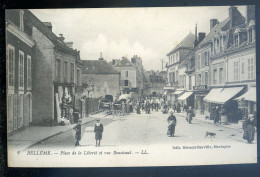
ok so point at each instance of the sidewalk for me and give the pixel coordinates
(35, 134)
(202, 118)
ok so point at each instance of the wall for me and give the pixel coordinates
(105, 84)
(241, 57)
(42, 72)
(131, 75)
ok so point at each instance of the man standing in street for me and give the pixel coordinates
(98, 132)
(171, 125)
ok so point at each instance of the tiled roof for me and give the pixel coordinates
(97, 67)
(124, 62)
(187, 42)
(48, 33)
(216, 29)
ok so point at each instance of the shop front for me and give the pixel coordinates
(201, 106)
(221, 100)
(247, 103)
(187, 99)
(175, 96)
(63, 104)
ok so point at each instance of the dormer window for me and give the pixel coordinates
(251, 32)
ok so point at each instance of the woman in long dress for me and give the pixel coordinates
(249, 129)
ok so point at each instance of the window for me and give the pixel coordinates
(243, 68)
(206, 78)
(215, 76)
(220, 75)
(58, 70)
(177, 57)
(126, 73)
(65, 71)
(250, 35)
(250, 68)
(72, 72)
(11, 66)
(126, 83)
(206, 57)
(236, 40)
(189, 82)
(198, 62)
(236, 70)
(78, 77)
(199, 80)
(21, 70)
(21, 20)
(29, 72)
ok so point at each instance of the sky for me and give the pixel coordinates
(123, 32)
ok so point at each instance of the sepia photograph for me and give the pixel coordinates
(127, 87)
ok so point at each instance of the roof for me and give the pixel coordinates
(216, 29)
(97, 67)
(124, 62)
(187, 42)
(48, 33)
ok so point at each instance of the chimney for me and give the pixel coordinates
(213, 23)
(48, 24)
(196, 32)
(250, 13)
(69, 44)
(201, 36)
(61, 37)
(101, 58)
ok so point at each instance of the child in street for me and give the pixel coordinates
(77, 128)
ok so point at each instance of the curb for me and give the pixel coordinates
(219, 125)
(48, 137)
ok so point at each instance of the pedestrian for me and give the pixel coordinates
(76, 115)
(217, 115)
(185, 108)
(172, 121)
(123, 108)
(138, 109)
(174, 107)
(249, 128)
(98, 132)
(77, 128)
(178, 108)
(190, 115)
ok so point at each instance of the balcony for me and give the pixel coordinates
(200, 87)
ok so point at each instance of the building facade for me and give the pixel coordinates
(176, 81)
(61, 67)
(232, 65)
(19, 61)
(101, 79)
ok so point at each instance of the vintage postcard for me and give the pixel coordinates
(117, 87)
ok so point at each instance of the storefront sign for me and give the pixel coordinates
(201, 87)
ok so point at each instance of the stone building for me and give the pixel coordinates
(19, 76)
(101, 79)
(56, 74)
(133, 78)
(176, 56)
(232, 63)
(157, 82)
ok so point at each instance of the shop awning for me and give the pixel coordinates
(185, 96)
(222, 95)
(250, 95)
(177, 92)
